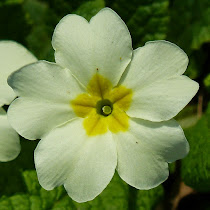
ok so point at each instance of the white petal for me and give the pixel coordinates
(9, 139)
(45, 80)
(137, 165)
(45, 91)
(12, 57)
(103, 45)
(156, 61)
(162, 100)
(143, 151)
(85, 165)
(165, 139)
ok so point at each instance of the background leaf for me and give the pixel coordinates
(146, 20)
(196, 166)
(114, 197)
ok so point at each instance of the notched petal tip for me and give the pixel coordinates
(106, 11)
(95, 43)
(68, 18)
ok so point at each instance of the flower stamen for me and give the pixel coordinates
(106, 110)
(104, 107)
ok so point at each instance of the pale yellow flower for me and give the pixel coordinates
(102, 106)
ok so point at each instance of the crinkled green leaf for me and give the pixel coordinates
(146, 20)
(149, 22)
(190, 23)
(196, 166)
(115, 196)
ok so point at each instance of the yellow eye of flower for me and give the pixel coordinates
(103, 106)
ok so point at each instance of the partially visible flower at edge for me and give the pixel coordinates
(12, 57)
(102, 106)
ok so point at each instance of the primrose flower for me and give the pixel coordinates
(12, 57)
(102, 106)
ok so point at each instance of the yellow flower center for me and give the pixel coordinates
(103, 106)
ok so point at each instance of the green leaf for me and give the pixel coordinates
(196, 166)
(148, 199)
(149, 22)
(190, 23)
(10, 172)
(146, 20)
(115, 196)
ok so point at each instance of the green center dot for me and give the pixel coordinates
(104, 107)
(106, 110)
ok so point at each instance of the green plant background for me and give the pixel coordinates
(184, 22)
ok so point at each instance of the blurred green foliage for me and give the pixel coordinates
(207, 82)
(10, 2)
(196, 166)
(190, 23)
(186, 23)
(190, 28)
(146, 20)
(148, 199)
(114, 197)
